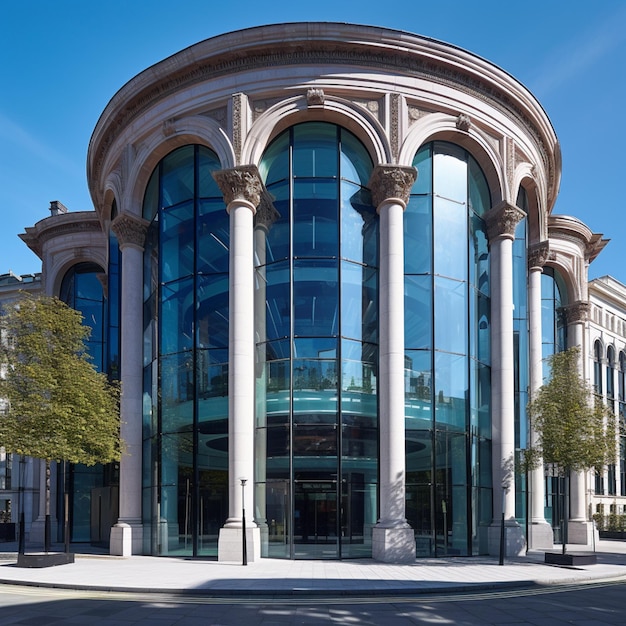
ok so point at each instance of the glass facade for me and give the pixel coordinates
(185, 447)
(447, 329)
(92, 490)
(317, 347)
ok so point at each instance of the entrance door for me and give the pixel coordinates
(315, 520)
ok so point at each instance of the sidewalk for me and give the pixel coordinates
(146, 574)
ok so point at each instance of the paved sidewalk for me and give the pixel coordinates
(268, 577)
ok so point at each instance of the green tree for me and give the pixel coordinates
(57, 406)
(575, 430)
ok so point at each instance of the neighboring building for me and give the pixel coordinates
(19, 476)
(607, 374)
(286, 305)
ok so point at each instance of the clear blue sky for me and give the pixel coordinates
(62, 61)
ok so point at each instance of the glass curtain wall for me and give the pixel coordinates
(316, 315)
(447, 343)
(82, 290)
(185, 500)
(521, 354)
(553, 340)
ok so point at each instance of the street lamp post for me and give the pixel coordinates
(244, 547)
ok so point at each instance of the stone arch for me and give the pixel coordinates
(335, 110)
(459, 131)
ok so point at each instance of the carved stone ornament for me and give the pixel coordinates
(240, 183)
(129, 230)
(391, 182)
(463, 122)
(538, 254)
(168, 128)
(315, 97)
(577, 313)
(502, 220)
(266, 213)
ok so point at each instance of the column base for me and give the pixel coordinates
(126, 538)
(514, 540)
(540, 536)
(582, 532)
(230, 544)
(393, 545)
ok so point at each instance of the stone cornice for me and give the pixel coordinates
(391, 182)
(319, 44)
(502, 220)
(240, 183)
(60, 225)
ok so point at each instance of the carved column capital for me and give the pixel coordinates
(577, 313)
(266, 213)
(538, 255)
(501, 221)
(240, 183)
(130, 230)
(391, 182)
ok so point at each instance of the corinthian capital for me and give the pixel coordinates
(240, 183)
(391, 182)
(130, 230)
(577, 313)
(501, 221)
(538, 254)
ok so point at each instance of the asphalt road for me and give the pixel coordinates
(589, 604)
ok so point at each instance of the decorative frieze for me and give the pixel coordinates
(394, 124)
(391, 181)
(130, 230)
(502, 220)
(240, 183)
(238, 130)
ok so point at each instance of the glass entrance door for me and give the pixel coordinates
(315, 520)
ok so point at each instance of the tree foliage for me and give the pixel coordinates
(575, 430)
(58, 407)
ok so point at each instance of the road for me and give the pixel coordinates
(591, 604)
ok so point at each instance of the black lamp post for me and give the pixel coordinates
(22, 525)
(244, 547)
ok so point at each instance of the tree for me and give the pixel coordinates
(575, 430)
(57, 406)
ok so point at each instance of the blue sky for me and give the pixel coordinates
(62, 61)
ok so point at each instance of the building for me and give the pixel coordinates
(324, 264)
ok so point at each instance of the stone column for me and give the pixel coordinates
(127, 534)
(540, 535)
(579, 528)
(393, 540)
(501, 222)
(242, 190)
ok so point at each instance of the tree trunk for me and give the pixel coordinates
(565, 528)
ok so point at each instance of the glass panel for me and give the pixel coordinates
(212, 311)
(359, 225)
(177, 391)
(278, 320)
(177, 242)
(208, 163)
(355, 161)
(315, 520)
(315, 150)
(418, 311)
(359, 303)
(479, 196)
(213, 238)
(418, 235)
(479, 255)
(418, 388)
(451, 239)
(480, 331)
(274, 165)
(450, 173)
(315, 232)
(177, 316)
(277, 228)
(419, 489)
(278, 518)
(451, 389)
(315, 298)
(358, 515)
(480, 398)
(177, 176)
(151, 197)
(423, 163)
(451, 332)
